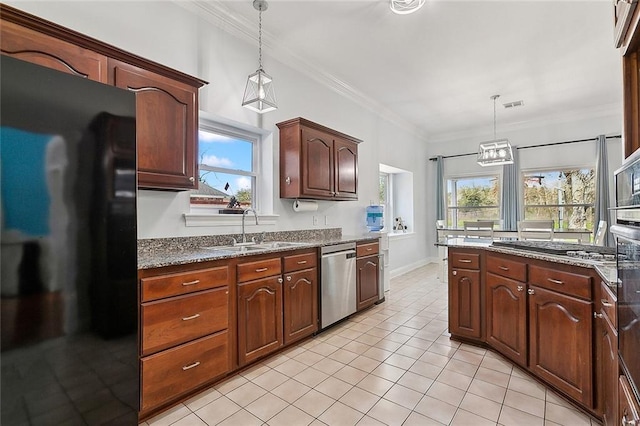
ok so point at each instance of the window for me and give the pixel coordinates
(228, 167)
(396, 195)
(566, 196)
(472, 198)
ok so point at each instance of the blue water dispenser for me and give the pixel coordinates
(375, 218)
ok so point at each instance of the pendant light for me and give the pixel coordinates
(498, 151)
(259, 94)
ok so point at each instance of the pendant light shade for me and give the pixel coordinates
(496, 152)
(259, 94)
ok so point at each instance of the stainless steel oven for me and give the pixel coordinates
(627, 233)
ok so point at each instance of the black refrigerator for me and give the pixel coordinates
(68, 305)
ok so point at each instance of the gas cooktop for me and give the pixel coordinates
(554, 247)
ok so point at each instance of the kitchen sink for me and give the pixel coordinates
(255, 247)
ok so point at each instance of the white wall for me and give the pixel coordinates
(169, 34)
(577, 154)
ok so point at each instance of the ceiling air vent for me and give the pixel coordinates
(513, 104)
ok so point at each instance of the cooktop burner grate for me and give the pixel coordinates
(553, 247)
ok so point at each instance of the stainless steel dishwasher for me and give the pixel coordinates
(338, 283)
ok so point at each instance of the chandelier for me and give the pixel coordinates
(404, 7)
(259, 94)
(497, 151)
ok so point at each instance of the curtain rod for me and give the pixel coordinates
(531, 146)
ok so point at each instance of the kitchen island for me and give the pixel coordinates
(542, 311)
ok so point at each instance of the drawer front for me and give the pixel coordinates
(185, 282)
(563, 282)
(259, 269)
(608, 303)
(170, 322)
(174, 372)
(507, 268)
(464, 260)
(300, 261)
(366, 249)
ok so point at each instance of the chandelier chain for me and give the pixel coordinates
(260, 38)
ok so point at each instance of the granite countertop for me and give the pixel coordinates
(156, 253)
(606, 269)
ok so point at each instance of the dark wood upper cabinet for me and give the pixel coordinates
(167, 100)
(627, 38)
(166, 126)
(317, 162)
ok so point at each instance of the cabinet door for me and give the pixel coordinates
(631, 99)
(367, 281)
(628, 408)
(609, 372)
(464, 303)
(300, 304)
(560, 342)
(32, 46)
(317, 163)
(507, 317)
(259, 318)
(166, 124)
(346, 169)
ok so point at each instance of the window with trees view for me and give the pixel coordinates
(227, 166)
(471, 199)
(566, 196)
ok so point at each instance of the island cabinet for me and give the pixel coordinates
(317, 162)
(166, 99)
(609, 369)
(186, 326)
(506, 306)
(465, 294)
(277, 302)
(561, 330)
(368, 277)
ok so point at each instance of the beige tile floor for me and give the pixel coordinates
(390, 365)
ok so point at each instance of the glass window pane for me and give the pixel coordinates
(471, 199)
(216, 189)
(223, 151)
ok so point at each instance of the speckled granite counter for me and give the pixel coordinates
(606, 269)
(159, 252)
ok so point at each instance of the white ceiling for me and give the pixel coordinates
(435, 70)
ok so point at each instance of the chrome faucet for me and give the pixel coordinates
(244, 214)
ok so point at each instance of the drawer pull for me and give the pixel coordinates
(369, 249)
(605, 303)
(190, 366)
(262, 269)
(302, 262)
(555, 281)
(597, 315)
(531, 291)
(191, 317)
(503, 268)
(464, 261)
(194, 282)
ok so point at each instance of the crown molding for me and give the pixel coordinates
(219, 15)
(606, 110)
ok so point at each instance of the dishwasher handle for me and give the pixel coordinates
(349, 254)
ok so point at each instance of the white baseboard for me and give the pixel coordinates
(404, 269)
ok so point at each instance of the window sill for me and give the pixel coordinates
(209, 219)
(400, 235)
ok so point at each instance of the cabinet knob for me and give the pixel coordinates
(280, 280)
(289, 278)
(192, 179)
(287, 180)
(597, 315)
(520, 288)
(531, 291)
(454, 273)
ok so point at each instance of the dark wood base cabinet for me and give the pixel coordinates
(465, 294)
(368, 276)
(539, 314)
